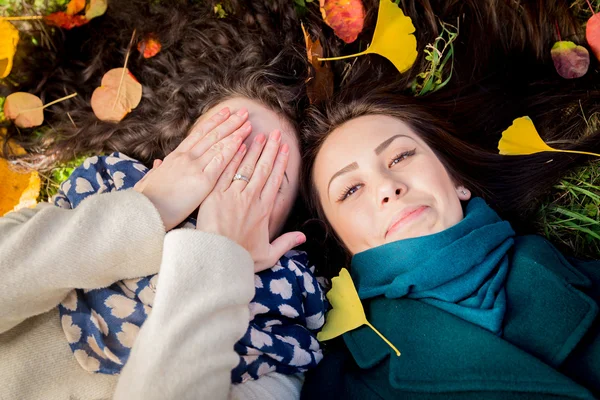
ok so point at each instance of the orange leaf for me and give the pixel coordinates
(321, 86)
(345, 17)
(63, 20)
(9, 37)
(25, 109)
(75, 6)
(150, 46)
(19, 189)
(106, 105)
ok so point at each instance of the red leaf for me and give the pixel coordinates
(592, 34)
(150, 46)
(63, 20)
(570, 60)
(345, 17)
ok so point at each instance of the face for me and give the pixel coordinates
(264, 120)
(378, 182)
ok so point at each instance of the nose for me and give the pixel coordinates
(390, 190)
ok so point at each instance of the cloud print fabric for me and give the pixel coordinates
(101, 325)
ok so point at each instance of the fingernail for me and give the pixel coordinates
(242, 149)
(260, 139)
(300, 239)
(247, 126)
(285, 149)
(224, 111)
(276, 135)
(242, 112)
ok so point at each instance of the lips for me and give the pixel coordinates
(404, 217)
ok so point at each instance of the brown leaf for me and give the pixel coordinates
(75, 6)
(25, 109)
(320, 87)
(106, 105)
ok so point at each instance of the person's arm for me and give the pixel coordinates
(184, 350)
(47, 251)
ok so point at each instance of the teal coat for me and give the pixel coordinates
(550, 347)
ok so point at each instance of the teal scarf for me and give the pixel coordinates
(460, 270)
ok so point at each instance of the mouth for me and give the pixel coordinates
(407, 215)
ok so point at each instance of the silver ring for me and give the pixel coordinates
(240, 177)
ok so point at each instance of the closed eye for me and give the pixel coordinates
(402, 156)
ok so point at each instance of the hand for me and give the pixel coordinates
(240, 210)
(178, 184)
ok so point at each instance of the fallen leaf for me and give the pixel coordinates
(393, 37)
(150, 46)
(25, 109)
(9, 38)
(96, 8)
(63, 20)
(592, 34)
(321, 86)
(345, 17)
(19, 189)
(570, 60)
(75, 6)
(106, 105)
(347, 312)
(522, 138)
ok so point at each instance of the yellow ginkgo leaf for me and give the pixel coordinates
(347, 312)
(9, 37)
(393, 37)
(521, 138)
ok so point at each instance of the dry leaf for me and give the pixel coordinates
(150, 46)
(19, 189)
(345, 17)
(570, 60)
(321, 86)
(96, 8)
(522, 138)
(347, 312)
(75, 6)
(592, 34)
(63, 20)
(105, 103)
(9, 38)
(393, 37)
(25, 109)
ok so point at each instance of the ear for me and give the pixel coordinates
(464, 194)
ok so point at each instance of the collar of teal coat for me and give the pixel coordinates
(546, 317)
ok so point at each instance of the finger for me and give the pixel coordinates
(247, 167)
(200, 130)
(280, 246)
(156, 163)
(269, 192)
(220, 161)
(265, 163)
(238, 137)
(231, 125)
(226, 177)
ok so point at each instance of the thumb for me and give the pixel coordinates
(141, 184)
(283, 244)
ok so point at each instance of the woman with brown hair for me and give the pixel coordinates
(477, 308)
(215, 88)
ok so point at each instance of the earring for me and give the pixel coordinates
(464, 192)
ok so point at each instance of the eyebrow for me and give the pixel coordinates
(386, 143)
(347, 168)
(378, 150)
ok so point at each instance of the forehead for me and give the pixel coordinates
(263, 119)
(360, 137)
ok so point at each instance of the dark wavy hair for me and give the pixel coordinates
(204, 60)
(502, 71)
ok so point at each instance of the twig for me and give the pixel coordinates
(124, 68)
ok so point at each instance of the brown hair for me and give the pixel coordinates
(204, 60)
